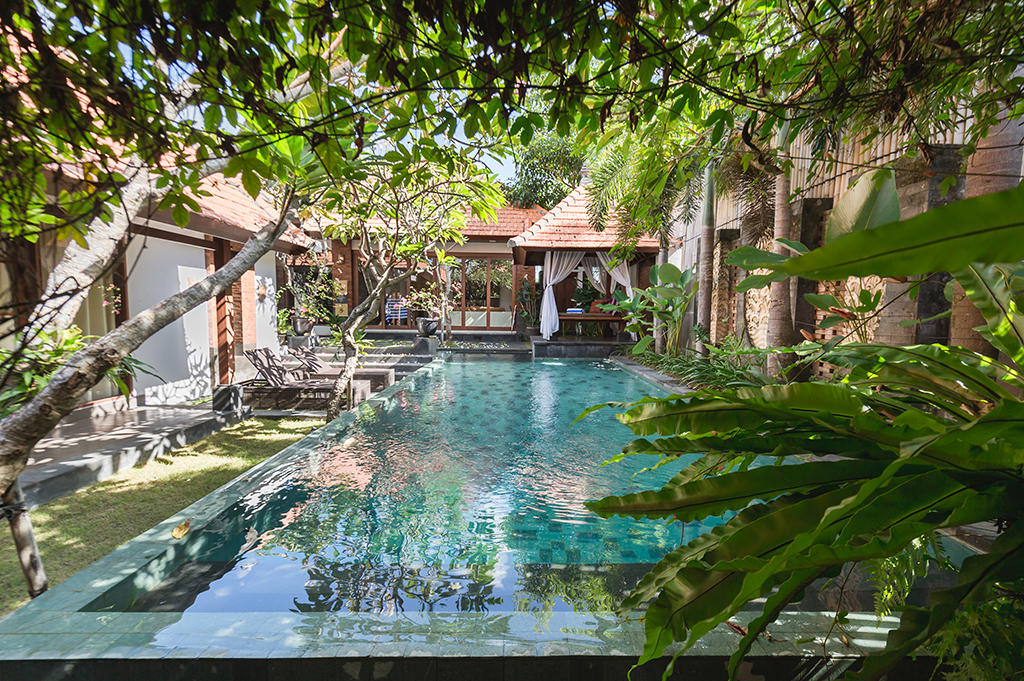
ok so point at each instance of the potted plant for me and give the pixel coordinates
(284, 323)
(314, 289)
(427, 301)
(302, 324)
(427, 326)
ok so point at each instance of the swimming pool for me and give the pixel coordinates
(446, 521)
(466, 495)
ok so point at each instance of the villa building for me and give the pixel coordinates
(484, 280)
(204, 346)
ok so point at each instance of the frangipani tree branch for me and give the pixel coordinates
(21, 430)
(81, 265)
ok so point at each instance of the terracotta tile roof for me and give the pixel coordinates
(508, 222)
(567, 226)
(228, 202)
(231, 206)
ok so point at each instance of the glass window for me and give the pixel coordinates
(501, 284)
(476, 283)
(396, 304)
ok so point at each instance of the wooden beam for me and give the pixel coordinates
(171, 236)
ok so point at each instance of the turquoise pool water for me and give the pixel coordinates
(443, 529)
(466, 495)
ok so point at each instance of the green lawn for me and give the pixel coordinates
(76, 530)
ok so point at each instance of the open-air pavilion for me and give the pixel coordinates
(564, 243)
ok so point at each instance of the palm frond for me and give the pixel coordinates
(755, 189)
(608, 176)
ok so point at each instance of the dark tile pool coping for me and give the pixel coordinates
(663, 381)
(51, 637)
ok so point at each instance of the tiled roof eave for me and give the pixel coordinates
(642, 247)
(567, 227)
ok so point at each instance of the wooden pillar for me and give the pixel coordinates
(225, 313)
(344, 276)
(245, 311)
(24, 274)
(119, 276)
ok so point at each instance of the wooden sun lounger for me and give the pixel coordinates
(317, 368)
(281, 388)
(312, 363)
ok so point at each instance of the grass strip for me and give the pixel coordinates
(80, 528)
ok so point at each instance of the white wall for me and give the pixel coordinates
(180, 352)
(685, 255)
(266, 309)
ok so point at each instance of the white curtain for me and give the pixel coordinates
(595, 273)
(620, 274)
(557, 266)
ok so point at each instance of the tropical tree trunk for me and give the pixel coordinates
(342, 392)
(741, 329)
(994, 167)
(659, 328)
(359, 318)
(780, 306)
(24, 540)
(22, 429)
(81, 266)
(706, 262)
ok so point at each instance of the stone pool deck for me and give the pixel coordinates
(578, 347)
(86, 447)
(663, 381)
(425, 646)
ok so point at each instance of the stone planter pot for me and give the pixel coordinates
(427, 326)
(532, 331)
(302, 325)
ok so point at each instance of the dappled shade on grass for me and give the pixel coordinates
(76, 530)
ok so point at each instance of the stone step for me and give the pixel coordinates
(404, 349)
(377, 357)
(378, 378)
(409, 367)
(361, 391)
(402, 372)
(330, 351)
(383, 359)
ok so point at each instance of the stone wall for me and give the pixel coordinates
(919, 184)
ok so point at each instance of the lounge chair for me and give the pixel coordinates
(312, 363)
(272, 370)
(285, 388)
(379, 378)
